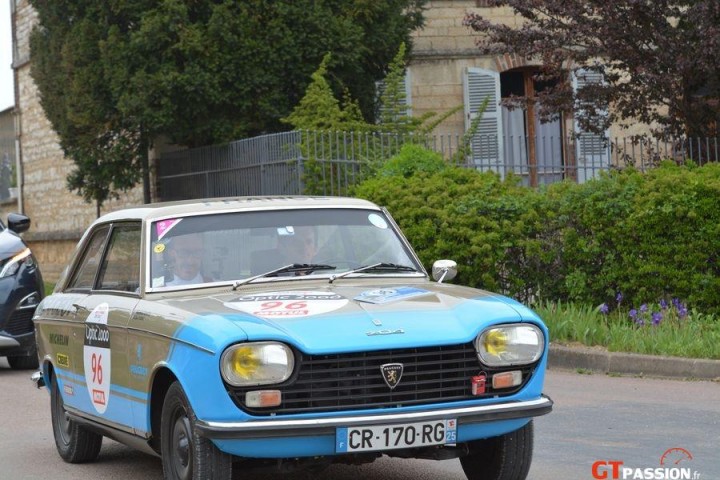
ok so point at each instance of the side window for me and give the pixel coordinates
(121, 268)
(88, 266)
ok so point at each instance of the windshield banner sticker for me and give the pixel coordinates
(288, 304)
(386, 295)
(164, 226)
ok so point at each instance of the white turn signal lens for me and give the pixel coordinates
(507, 379)
(263, 398)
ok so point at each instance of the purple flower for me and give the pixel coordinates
(643, 308)
(663, 304)
(604, 309)
(619, 297)
(676, 303)
(682, 311)
(640, 322)
(633, 314)
(656, 318)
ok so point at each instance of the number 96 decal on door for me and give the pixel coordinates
(96, 357)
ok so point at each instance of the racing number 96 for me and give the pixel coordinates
(96, 366)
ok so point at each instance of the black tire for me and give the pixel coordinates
(185, 454)
(507, 457)
(25, 362)
(74, 443)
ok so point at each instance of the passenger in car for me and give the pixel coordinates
(298, 247)
(185, 253)
(294, 245)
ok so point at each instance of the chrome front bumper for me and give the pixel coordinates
(327, 426)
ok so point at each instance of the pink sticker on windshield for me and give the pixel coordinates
(164, 226)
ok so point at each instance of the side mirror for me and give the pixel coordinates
(18, 223)
(444, 270)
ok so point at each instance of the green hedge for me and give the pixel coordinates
(649, 236)
(448, 212)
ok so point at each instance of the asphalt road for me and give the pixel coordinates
(596, 418)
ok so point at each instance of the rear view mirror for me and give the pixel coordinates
(18, 223)
(444, 270)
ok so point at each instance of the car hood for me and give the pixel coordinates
(360, 316)
(10, 244)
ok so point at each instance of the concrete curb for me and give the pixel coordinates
(598, 360)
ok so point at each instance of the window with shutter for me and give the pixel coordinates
(487, 149)
(592, 150)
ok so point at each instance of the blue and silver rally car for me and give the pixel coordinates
(287, 332)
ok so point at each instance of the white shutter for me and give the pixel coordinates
(487, 145)
(592, 150)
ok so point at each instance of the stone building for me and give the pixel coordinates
(446, 70)
(8, 167)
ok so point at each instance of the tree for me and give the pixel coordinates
(320, 110)
(109, 149)
(113, 76)
(660, 59)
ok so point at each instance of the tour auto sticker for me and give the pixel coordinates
(288, 304)
(96, 357)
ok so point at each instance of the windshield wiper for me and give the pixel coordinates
(382, 266)
(292, 268)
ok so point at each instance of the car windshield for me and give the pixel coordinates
(230, 247)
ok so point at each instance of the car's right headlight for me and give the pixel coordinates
(12, 265)
(507, 345)
(258, 363)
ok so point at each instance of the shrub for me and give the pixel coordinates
(652, 235)
(648, 235)
(473, 218)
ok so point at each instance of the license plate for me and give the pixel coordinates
(388, 437)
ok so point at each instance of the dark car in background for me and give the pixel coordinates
(21, 290)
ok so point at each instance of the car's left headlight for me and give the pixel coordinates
(12, 265)
(258, 363)
(506, 345)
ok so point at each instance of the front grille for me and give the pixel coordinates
(20, 322)
(335, 382)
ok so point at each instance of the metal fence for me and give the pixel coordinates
(301, 162)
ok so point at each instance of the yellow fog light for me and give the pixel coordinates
(244, 362)
(506, 345)
(495, 342)
(259, 363)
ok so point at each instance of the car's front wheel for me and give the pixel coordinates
(75, 443)
(185, 454)
(507, 457)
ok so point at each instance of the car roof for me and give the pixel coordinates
(231, 204)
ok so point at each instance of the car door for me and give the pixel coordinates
(102, 316)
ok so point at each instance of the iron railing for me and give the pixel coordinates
(302, 162)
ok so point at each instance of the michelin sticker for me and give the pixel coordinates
(288, 304)
(96, 357)
(386, 295)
